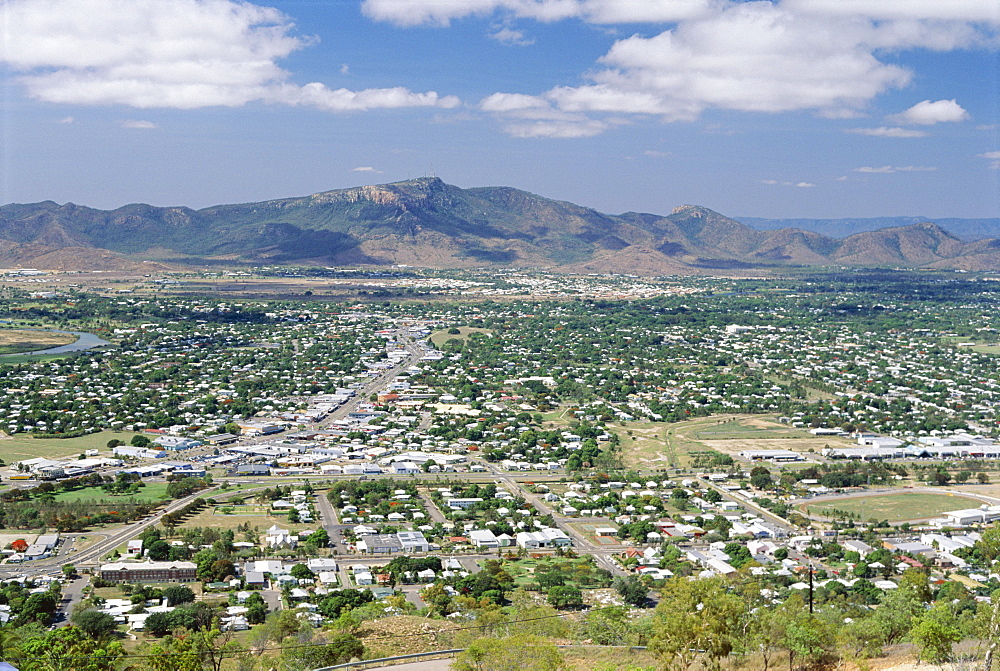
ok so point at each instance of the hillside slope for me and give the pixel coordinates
(426, 222)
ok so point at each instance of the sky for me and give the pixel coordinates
(782, 109)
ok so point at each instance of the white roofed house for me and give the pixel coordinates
(276, 538)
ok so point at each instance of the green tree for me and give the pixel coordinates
(565, 596)
(301, 572)
(936, 631)
(178, 594)
(631, 589)
(93, 622)
(516, 653)
(696, 621)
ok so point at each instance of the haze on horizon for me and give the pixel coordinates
(791, 108)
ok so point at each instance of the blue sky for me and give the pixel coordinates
(792, 108)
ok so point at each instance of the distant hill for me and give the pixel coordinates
(426, 222)
(965, 229)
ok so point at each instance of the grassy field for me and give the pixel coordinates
(20, 446)
(439, 338)
(211, 517)
(153, 491)
(26, 340)
(901, 507)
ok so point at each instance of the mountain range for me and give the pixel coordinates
(426, 222)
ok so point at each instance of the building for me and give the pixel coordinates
(150, 571)
(484, 538)
(543, 538)
(176, 443)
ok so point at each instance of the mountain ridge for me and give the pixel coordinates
(427, 222)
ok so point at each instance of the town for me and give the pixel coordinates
(440, 456)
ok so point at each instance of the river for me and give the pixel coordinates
(83, 341)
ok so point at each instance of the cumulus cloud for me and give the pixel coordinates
(927, 113)
(66, 119)
(366, 168)
(511, 36)
(181, 54)
(884, 131)
(824, 56)
(752, 57)
(889, 169)
(139, 124)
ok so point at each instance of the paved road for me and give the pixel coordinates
(430, 665)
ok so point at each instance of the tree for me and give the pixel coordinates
(158, 624)
(695, 620)
(982, 478)
(178, 594)
(565, 597)
(301, 572)
(516, 653)
(319, 538)
(631, 589)
(935, 632)
(339, 648)
(158, 550)
(71, 649)
(139, 440)
(93, 622)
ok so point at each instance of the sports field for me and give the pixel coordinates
(901, 507)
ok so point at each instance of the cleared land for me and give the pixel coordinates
(13, 341)
(20, 446)
(657, 445)
(441, 337)
(901, 507)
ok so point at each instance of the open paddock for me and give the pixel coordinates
(895, 507)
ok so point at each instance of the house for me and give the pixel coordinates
(134, 548)
(278, 538)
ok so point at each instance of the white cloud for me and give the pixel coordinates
(510, 36)
(884, 131)
(824, 56)
(139, 124)
(993, 157)
(67, 119)
(798, 185)
(181, 54)
(889, 169)
(656, 154)
(557, 128)
(980, 11)
(926, 113)
(345, 69)
(442, 12)
(366, 168)
(754, 57)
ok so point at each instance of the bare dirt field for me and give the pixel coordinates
(28, 340)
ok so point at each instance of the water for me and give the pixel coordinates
(84, 341)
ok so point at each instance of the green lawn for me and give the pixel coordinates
(900, 507)
(153, 491)
(22, 446)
